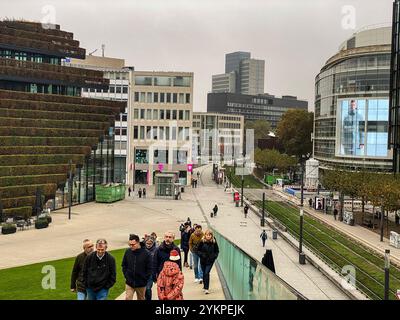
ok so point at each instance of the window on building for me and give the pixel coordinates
(135, 132)
(167, 137)
(162, 81)
(187, 115)
(187, 97)
(142, 97)
(149, 117)
(180, 133)
(173, 135)
(175, 98)
(155, 97)
(149, 97)
(162, 114)
(124, 89)
(141, 133)
(112, 89)
(141, 156)
(168, 97)
(148, 133)
(135, 113)
(181, 98)
(136, 99)
(143, 81)
(187, 133)
(168, 114)
(155, 114)
(161, 132)
(142, 114)
(174, 114)
(155, 133)
(162, 97)
(180, 114)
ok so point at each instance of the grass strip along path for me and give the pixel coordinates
(337, 250)
(25, 282)
(250, 182)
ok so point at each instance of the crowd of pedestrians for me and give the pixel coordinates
(146, 263)
(140, 193)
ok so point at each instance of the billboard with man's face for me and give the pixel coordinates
(362, 128)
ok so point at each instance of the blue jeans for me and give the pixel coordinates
(206, 277)
(148, 288)
(198, 273)
(100, 295)
(81, 295)
(190, 259)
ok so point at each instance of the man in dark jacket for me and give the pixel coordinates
(215, 210)
(185, 237)
(99, 272)
(163, 252)
(77, 284)
(136, 266)
(151, 247)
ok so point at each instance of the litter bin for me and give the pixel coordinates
(274, 234)
(351, 222)
(302, 258)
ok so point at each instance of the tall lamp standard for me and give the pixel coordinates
(302, 257)
(387, 268)
(70, 189)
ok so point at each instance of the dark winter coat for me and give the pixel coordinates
(161, 255)
(137, 268)
(152, 251)
(99, 274)
(77, 273)
(208, 252)
(185, 237)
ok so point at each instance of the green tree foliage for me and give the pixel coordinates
(294, 132)
(261, 129)
(273, 159)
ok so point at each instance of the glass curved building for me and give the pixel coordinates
(352, 104)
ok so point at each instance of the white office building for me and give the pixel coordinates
(160, 119)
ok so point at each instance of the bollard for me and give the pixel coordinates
(274, 234)
(302, 258)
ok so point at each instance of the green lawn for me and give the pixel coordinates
(250, 181)
(25, 283)
(337, 250)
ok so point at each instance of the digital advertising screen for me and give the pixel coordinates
(362, 128)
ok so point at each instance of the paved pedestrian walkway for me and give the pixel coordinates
(245, 233)
(193, 291)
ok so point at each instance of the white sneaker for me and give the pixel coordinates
(206, 291)
(196, 280)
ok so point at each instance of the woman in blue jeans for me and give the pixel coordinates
(208, 252)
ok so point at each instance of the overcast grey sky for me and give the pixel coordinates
(294, 37)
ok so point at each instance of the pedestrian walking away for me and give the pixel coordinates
(208, 251)
(140, 192)
(194, 242)
(77, 282)
(246, 210)
(263, 237)
(335, 213)
(170, 282)
(129, 191)
(137, 268)
(99, 272)
(144, 192)
(215, 210)
(185, 237)
(151, 246)
(163, 252)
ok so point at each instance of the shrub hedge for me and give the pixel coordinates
(39, 114)
(48, 141)
(15, 160)
(27, 180)
(34, 170)
(25, 212)
(45, 123)
(49, 132)
(19, 202)
(45, 150)
(117, 106)
(56, 106)
(47, 189)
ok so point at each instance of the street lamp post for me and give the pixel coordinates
(302, 257)
(387, 268)
(70, 189)
(263, 211)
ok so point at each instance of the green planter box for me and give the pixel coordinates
(110, 193)
(8, 230)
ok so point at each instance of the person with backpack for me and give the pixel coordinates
(246, 210)
(170, 281)
(208, 252)
(264, 237)
(194, 242)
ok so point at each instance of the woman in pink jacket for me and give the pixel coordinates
(170, 280)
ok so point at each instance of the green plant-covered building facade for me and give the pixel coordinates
(46, 128)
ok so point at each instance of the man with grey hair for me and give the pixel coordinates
(77, 284)
(99, 272)
(163, 252)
